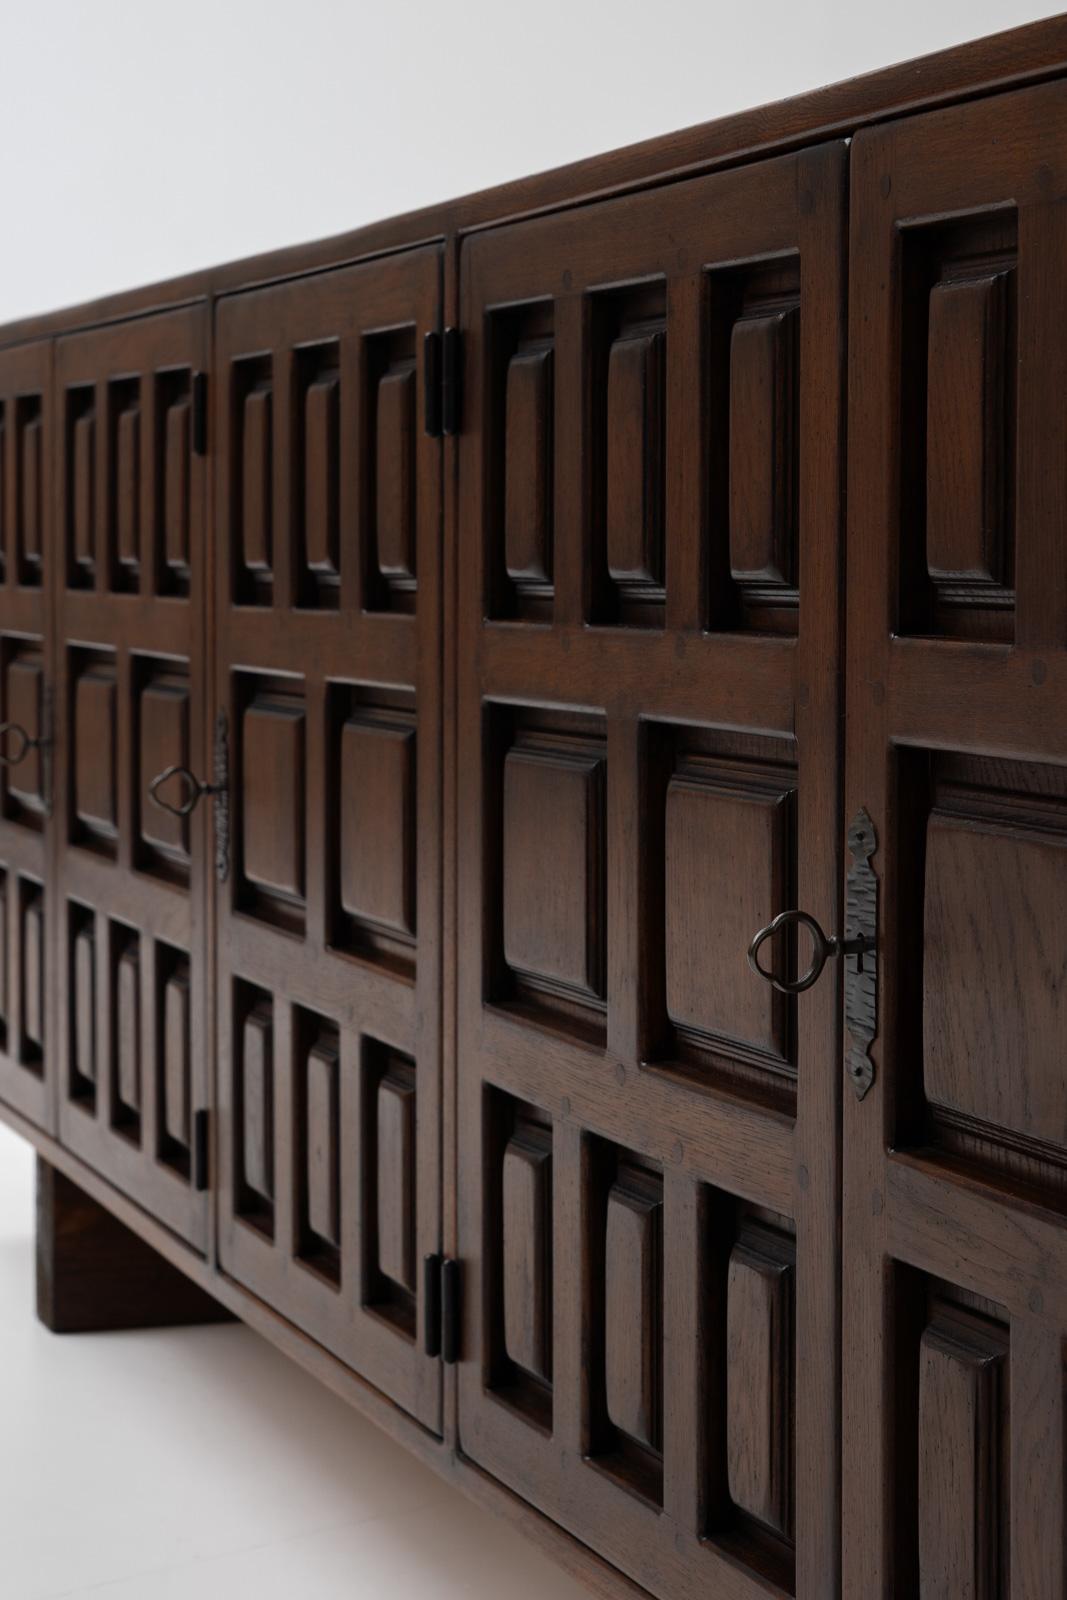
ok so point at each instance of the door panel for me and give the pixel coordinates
(131, 926)
(955, 1178)
(26, 1053)
(648, 770)
(328, 622)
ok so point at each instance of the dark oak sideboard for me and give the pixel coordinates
(533, 832)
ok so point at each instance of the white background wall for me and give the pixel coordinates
(140, 139)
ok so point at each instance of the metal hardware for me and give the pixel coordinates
(222, 797)
(451, 381)
(23, 744)
(861, 977)
(195, 789)
(451, 1308)
(200, 413)
(200, 1150)
(442, 379)
(858, 945)
(431, 1305)
(441, 1307)
(431, 384)
(825, 947)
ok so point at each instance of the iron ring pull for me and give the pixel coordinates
(825, 947)
(26, 743)
(195, 789)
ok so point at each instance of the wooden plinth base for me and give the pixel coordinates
(93, 1274)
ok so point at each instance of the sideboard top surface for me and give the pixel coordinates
(1022, 55)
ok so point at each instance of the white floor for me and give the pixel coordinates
(201, 1465)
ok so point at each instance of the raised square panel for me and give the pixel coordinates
(82, 490)
(126, 1027)
(726, 860)
(321, 473)
(964, 450)
(30, 499)
(164, 735)
(323, 1142)
(994, 952)
(33, 994)
(95, 731)
(257, 1103)
(256, 485)
(762, 446)
(395, 474)
(25, 690)
(527, 1250)
(177, 1063)
(126, 486)
(528, 467)
(633, 1313)
(377, 812)
(759, 1377)
(84, 1009)
(396, 1174)
(177, 442)
(272, 795)
(962, 1381)
(635, 458)
(553, 866)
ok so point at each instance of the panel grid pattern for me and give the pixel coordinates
(956, 1162)
(25, 699)
(328, 617)
(131, 925)
(638, 719)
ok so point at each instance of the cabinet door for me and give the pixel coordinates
(328, 677)
(131, 929)
(26, 1051)
(648, 772)
(955, 1179)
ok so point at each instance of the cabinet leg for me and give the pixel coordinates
(93, 1274)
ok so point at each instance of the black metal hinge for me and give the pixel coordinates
(442, 1307)
(200, 1150)
(200, 413)
(443, 377)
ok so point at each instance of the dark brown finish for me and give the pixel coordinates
(27, 1059)
(619, 842)
(527, 468)
(94, 1274)
(526, 1249)
(633, 1301)
(327, 643)
(760, 1379)
(130, 650)
(378, 760)
(954, 1179)
(762, 447)
(523, 736)
(635, 458)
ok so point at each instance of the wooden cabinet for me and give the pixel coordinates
(130, 946)
(427, 660)
(27, 1059)
(954, 1166)
(649, 523)
(327, 606)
